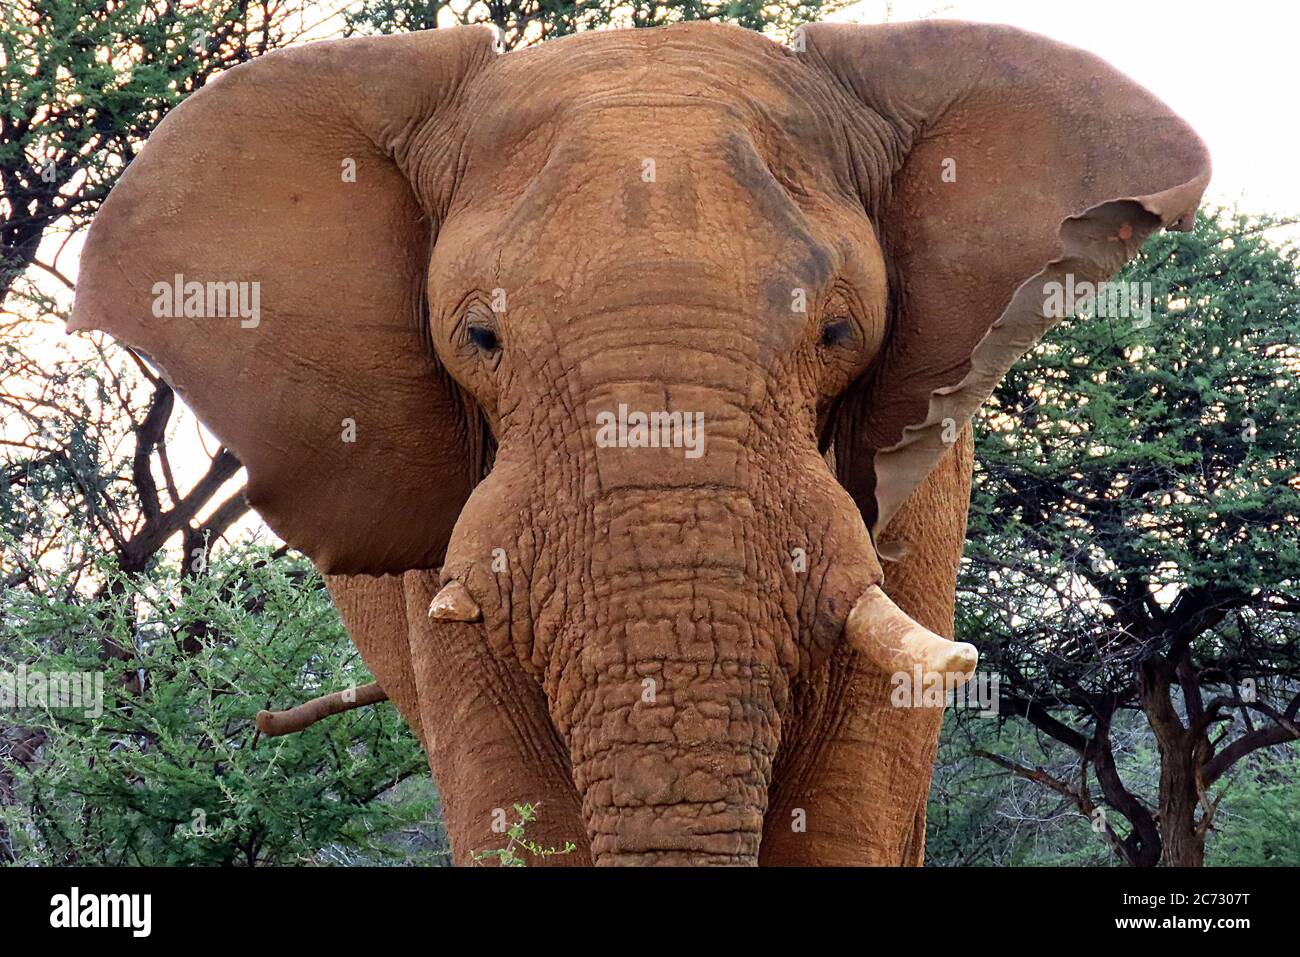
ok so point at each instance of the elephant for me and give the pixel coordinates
(620, 386)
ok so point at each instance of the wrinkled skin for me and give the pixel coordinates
(692, 219)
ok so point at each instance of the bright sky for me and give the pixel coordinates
(1228, 68)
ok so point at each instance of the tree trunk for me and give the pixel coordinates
(1182, 842)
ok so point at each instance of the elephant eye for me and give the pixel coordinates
(484, 339)
(836, 332)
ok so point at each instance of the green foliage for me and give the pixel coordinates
(980, 815)
(1166, 446)
(174, 772)
(83, 82)
(509, 856)
(1131, 470)
(530, 21)
(1136, 512)
(1259, 822)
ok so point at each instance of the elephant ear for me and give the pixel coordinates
(1016, 160)
(267, 252)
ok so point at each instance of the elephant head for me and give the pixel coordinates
(643, 338)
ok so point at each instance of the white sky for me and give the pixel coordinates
(1228, 67)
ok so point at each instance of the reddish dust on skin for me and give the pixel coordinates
(763, 714)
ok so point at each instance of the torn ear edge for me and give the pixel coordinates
(1095, 245)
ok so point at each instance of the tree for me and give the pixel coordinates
(1135, 532)
(85, 426)
(525, 22)
(172, 769)
(82, 83)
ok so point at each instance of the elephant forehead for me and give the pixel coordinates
(670, 180)
(654, 168)
(642, 91)
(615, 182)
(699, 60)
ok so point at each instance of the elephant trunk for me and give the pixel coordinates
(666, 604)
(667, 676)
(671, 712)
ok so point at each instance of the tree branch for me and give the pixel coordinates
(275, 723)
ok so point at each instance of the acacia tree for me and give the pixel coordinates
(85, 472)
(83, 82)
(1135, 534)
(525, 22)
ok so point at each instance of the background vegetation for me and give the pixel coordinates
(1131, 574)
(1132, 567)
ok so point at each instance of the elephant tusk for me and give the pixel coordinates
(892, 641)
(454, 604)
